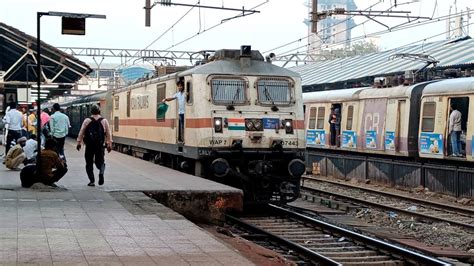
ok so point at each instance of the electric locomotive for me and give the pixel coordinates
(244, 124)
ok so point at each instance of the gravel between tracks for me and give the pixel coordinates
(441, 234)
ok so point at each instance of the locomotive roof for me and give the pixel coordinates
(450, 86)
(228, 66)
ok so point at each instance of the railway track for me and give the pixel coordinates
(422, 209)
(326, 244)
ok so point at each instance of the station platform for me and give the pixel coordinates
(113, 224)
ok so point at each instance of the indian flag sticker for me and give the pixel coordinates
(236, 123)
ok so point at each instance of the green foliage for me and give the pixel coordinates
(358, 48)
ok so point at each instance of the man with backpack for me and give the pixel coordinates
(96, 135)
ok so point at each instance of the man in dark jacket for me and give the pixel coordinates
(95, 133)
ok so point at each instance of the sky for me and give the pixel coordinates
(279, 22)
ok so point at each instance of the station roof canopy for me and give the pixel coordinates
(449, 53)
(18, 61)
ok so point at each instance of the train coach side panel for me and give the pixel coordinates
(135, 115)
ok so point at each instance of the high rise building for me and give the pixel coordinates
(333, 32)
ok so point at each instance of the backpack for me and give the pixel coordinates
(94, 133)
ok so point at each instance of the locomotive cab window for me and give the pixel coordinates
(160, 94)
(129, 95)
(428, 119)
(226, 91)
(274, 91)
(312, 118)
(189, 92)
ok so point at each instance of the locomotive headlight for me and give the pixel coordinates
(218, 124)
(288, 126)
(258, 124)
(249, 125)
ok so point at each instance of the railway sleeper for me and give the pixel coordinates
(301, 240)
(384, 263)
(306, 233)
(351, 254)
(341, 249)
(365, 259)
(333, 244)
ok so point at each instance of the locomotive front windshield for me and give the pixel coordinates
(274, 91)
(228, 91)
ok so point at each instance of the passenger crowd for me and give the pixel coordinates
(21, 146)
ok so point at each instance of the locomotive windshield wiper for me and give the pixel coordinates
(236, 95)
(267, 94)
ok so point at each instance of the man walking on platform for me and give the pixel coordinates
(59, 124)
(95, 132)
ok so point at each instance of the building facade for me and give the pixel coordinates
(333, 32)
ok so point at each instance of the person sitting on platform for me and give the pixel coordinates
(52, 170)
(30, 149)
(16, 155)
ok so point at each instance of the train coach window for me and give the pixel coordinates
(274, 91)
(116, 102)
(129, 95)
(321, 115)
(228, 91)
(312, 118)
(350, 116)
(189, 92)
(428, 119)
(160, 92)
(116, 123)
(160, 95)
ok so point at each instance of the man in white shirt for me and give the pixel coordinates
(30, 149)
(14, 120)
(181, 97)
(455, 131)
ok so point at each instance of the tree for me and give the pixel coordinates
(358, 48)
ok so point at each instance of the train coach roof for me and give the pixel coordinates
(392, 92)
(233, 67)
(450, 86)
(92, 98)
(332, 96)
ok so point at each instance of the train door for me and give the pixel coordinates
(335, 124)
(401, 125)
(460, 104)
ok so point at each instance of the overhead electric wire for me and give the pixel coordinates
(159, 37)
(393, 29)
(342, 21)
(212, 27)
(347, 29)
(307, 36)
